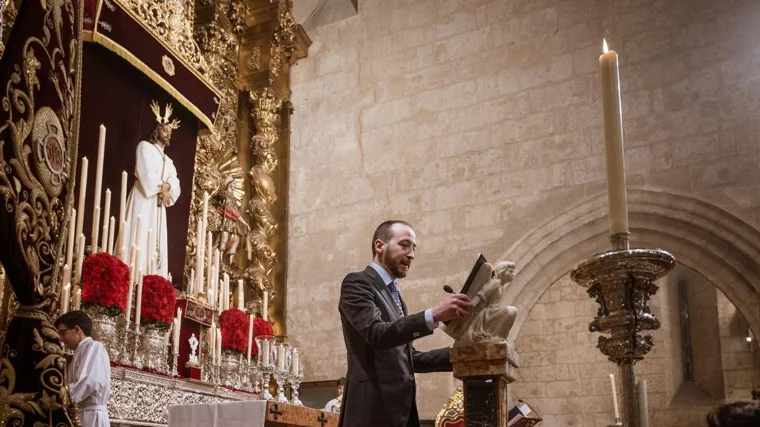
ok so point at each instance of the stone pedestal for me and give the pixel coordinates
(485, 369)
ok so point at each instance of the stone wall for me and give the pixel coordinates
(741, 367)
(705, 337)
(479, 120)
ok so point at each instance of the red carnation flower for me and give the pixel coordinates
(158, 300)
(234, 325)
(105, 283)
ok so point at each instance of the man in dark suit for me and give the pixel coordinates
(378, 332)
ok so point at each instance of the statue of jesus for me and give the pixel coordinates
(156, 188)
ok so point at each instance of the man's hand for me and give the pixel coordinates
(164, 188)
(165, 199)
(456, 306)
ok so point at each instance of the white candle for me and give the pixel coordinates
(613, 140)
(122, 242)
(294, 362)
(138, 306)
(111, 226)
(66, 274)
(82, 196)
(209, 249)
(169, 278)
(106, 216)
(99, 176)
(128, 313)
(78, 298)
(70, 242)
(281, 353)
(95, 230)
(241, 294)
(123, 197)
(218, 344)
(250, 336)
(136, 242)
(227, 293)
(266, 305)
(614, 397)
(178, 321)
(65, 298)
(199, 255)
(80, 259)
(643, 404)
(264, 352)
(148, 252)
(212, 342)
(191, 282)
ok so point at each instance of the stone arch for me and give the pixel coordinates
(709, 240)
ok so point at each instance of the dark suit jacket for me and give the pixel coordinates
(380, 388)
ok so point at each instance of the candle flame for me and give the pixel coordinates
(605, 49)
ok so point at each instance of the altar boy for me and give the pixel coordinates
(89, 373)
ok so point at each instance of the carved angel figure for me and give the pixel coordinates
(492, 318)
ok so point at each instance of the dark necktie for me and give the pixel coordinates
(396, 297)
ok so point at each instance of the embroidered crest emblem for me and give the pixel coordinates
(168, 64)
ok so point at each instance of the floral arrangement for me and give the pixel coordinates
(260, 327)
(158, 300)
(105, 283)
(234, 325)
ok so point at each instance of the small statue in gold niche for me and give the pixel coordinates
(228, 218)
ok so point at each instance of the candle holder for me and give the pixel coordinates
(125, 342)
(175, 361)
(618, 423)
(137, 358)
(266, 378)
(295, 383)
(254, 378)
(622, 281)
(280, 376)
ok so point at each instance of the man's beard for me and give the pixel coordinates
(394, 266)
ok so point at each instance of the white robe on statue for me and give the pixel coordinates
(90, 383)
(152, 168)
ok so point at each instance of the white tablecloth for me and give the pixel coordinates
(250, 413)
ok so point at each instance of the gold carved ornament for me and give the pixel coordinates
(266, 116)
(37, 159)
(453, 411)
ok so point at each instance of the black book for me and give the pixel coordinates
(474, 272)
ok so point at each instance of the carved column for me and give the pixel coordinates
(269, 48)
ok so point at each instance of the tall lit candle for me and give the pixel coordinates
(138, 306)
(281, 354)
(219, 344)
(227, 293)
(199, 255)
(241, 294)
(212, 341)
(80, 259)
(106, 216)
(191, 282)
(78, 298)
(70, 242)
(643, 404)
(148, 252)
(82, 196)
(265, 301)
(250, 336)
(614, 397)
(136, 241)
(177, 330)
(130, 293)
(95, 231)
(123, 197)
(65, 298)
(205, 212)
(111, 226)
(66, 274)
(209, 251)
(613, 140)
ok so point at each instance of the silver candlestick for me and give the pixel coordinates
(125, 354)
(622, 281)
(137, 358)
(266, 377)
(175, 361)
(280, 376)
(295, 383)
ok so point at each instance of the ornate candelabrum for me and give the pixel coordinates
(265, 344)
(175, 361)
(622, 281)
(125, 342)
(137, 358)
(282, 351)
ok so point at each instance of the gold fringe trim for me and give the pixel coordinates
(116, 48)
